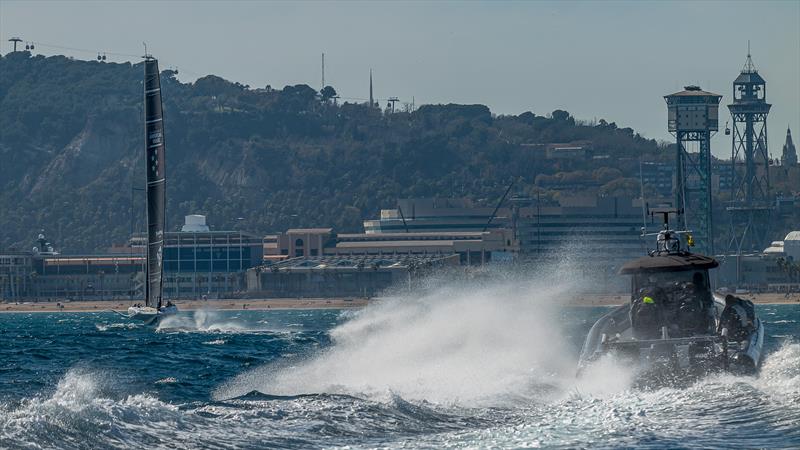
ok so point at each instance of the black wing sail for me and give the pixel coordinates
(156, 184)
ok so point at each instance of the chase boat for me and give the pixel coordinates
(673, 328)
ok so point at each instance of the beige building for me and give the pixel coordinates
(472, 247)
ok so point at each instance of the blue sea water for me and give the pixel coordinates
(468, 368)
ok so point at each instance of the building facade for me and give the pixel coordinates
(15, 275)
(352, 276)
(198, 263)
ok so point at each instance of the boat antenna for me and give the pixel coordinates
(644, 208)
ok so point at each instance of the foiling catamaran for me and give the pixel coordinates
(674, 329)
(153, 308)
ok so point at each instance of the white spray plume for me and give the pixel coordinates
(464, 342)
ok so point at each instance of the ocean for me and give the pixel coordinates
(452, 367)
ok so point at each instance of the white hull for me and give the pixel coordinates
(149, 315)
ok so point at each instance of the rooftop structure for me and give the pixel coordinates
(435, 215)
(195, 223)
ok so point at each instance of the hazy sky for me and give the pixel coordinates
(612, 60)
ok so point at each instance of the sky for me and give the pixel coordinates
(610, 60)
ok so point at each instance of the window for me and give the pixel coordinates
(298, 243)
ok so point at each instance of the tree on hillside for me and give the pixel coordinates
(327, 93)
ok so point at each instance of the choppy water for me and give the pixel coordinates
(454, 367)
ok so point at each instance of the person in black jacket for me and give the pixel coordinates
(738, 317)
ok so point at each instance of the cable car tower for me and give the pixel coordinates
(693, 117)
(749, 209)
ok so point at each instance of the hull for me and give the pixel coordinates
(150, 315)
(668, 360)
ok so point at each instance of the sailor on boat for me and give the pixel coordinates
(154, 308)
(737, 317)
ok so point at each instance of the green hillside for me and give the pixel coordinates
(71, 152)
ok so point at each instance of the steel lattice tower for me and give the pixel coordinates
(693, 117)
(749, 208)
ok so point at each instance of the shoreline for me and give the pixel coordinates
(315, 303)
(187, 305)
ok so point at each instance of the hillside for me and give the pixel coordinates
(71, 138)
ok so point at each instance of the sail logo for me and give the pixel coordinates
(155, 137)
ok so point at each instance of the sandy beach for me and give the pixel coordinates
(316, 303)
(188, 305)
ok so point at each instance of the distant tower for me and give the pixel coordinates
(693, 117)
(789, 155)
(750, 200)
(323, 72)
(371, 100)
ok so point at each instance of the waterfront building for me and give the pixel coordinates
(431, 215)
(88, 277)
(611, 225)
(199, 262)
(15, 275)
(776, 269)
(350, 276)
(471, 247)
(659, 177)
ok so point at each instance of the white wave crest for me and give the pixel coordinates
(125, 326)
(78, 408)
(201, 320)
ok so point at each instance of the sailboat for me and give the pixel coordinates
(153, 308)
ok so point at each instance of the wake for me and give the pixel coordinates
(205, 321)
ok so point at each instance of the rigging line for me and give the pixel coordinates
(92, 52)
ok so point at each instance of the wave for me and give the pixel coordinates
(83, 410)
(468, 343)
(206, 321)
(495, 352)
(111, 326)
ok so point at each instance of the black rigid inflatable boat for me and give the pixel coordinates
(675, 328)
